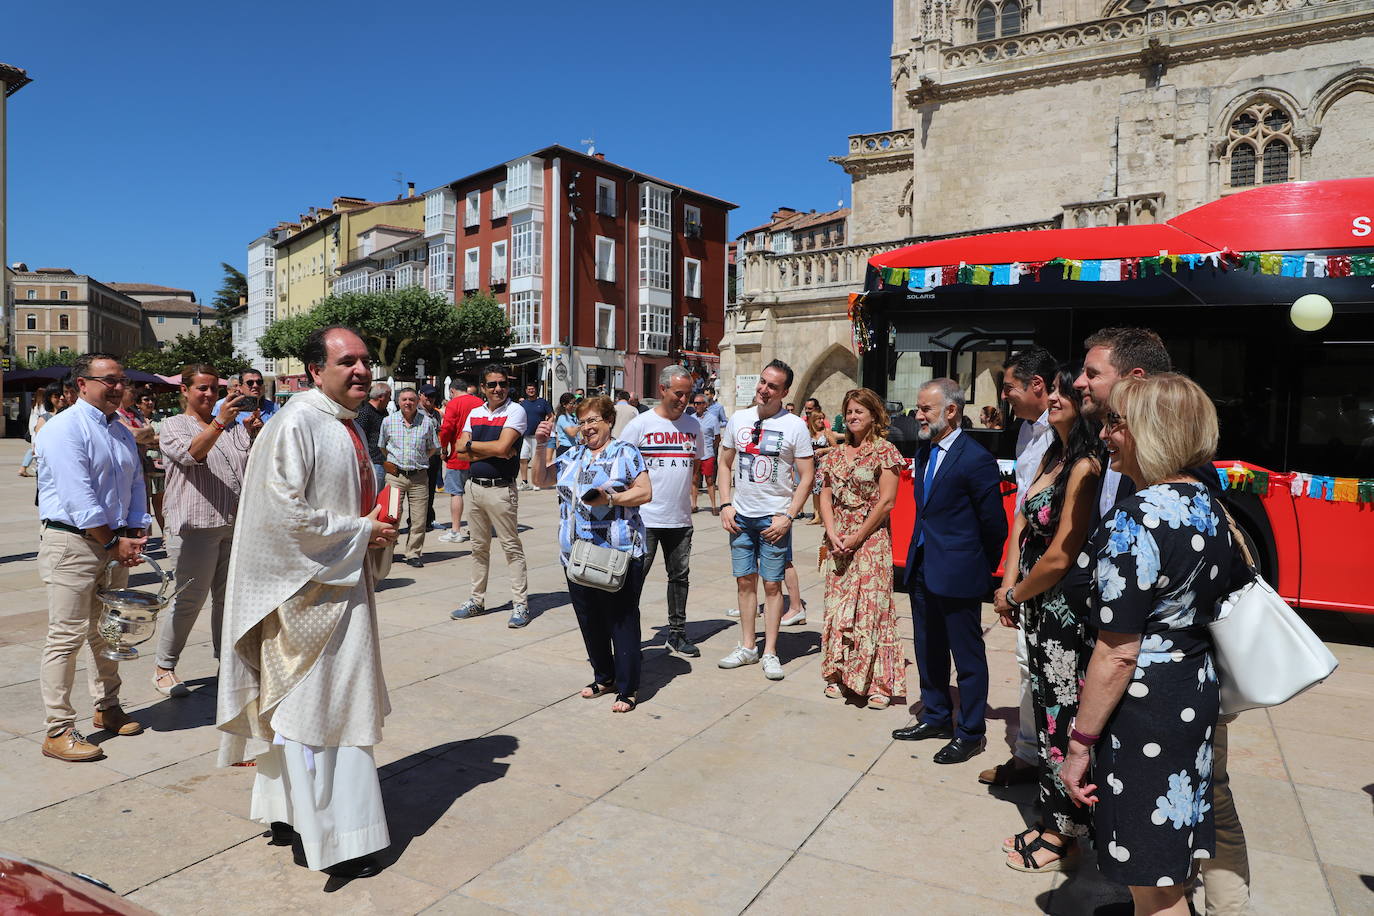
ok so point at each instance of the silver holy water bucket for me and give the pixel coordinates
(130, 615)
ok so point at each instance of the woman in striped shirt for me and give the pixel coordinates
(205, 456)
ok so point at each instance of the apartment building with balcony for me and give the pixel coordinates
(607, 274)
(249, 324)
(56, 308)
(309, 252)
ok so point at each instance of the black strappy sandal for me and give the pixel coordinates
(1018, 842)
(1066, 853)
(621, 698)
(597, 690)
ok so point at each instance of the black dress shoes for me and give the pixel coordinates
(282, 834)
(920, 731)
(958, 750)
(361, 867)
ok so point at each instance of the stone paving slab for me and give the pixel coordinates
(723, 793)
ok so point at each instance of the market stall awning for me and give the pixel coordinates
(1094, 243)
(1293, 216)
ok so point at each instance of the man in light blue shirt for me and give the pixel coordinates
(251, 384)
(94, 510)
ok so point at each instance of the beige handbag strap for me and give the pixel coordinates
(1237, 537)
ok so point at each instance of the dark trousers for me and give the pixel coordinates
(609, 622)
(943, 627)
(436, 478)
(677, 558)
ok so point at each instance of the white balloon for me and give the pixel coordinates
(1311, 312)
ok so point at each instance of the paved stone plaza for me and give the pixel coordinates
(723, 792)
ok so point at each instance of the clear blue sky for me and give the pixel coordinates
(159, 138)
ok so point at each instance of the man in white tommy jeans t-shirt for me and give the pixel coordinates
(760, 450)
(671, 441)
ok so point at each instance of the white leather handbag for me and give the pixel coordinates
(1265, 653)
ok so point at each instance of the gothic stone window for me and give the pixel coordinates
(994, 20)
(1259, 146)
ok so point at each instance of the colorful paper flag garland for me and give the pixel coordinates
(1114, 269)
(1312, 486)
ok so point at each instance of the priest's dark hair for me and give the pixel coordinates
(315, 350)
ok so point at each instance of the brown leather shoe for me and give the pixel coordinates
(115, 719)
(71, 746)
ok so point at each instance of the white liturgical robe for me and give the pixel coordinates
(301, 665)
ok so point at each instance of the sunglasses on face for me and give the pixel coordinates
(1115, 420)
(253, 383)
(496, 384)
(112, 381)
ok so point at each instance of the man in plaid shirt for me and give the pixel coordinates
(408, 438)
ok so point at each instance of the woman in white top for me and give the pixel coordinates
(44, 406)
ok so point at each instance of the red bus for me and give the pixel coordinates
(1217, 283)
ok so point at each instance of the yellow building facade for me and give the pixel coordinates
(307, 260)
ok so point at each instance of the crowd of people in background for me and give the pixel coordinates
(1118, 553)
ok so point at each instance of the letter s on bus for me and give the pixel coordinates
(1360, 226)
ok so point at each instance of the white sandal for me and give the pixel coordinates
(175, 689)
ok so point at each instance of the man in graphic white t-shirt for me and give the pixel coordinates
(671, 441)
(760, 451)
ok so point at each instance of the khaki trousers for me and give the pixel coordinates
(1225, 876)
(71, 566)
(202, 566)
(414, 490)
(496, 508)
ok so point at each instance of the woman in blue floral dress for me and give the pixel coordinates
(1048, 535)
(1149, 703)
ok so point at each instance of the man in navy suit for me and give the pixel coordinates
(955, 548)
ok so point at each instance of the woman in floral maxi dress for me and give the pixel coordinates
(1048, 535)
(861, 648)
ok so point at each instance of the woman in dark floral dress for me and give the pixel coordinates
(1048, 535)
(1149, 702)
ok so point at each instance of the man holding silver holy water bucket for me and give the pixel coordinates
(94, 510)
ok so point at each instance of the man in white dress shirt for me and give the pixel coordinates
(301, 691)
(94, 510)
(1026, 382)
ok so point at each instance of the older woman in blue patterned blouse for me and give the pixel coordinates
(601, 483)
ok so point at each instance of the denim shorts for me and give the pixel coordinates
(750, 553)
(456, 481)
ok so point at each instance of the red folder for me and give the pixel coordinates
(389, 500)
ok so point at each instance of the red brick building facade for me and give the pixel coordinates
(608, 275)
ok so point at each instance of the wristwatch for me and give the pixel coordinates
(1010, 599)
(109, 545)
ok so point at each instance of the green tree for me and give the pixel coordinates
(234, 287)
(45, 358)
(398, 325)
(285, 337)
(214, 345)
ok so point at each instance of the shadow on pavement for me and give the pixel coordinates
(418, 790)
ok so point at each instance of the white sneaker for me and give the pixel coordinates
(732, 612)
(740, 656)
(448, 537)
(772, 668)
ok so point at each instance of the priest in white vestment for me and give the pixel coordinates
(301, 691)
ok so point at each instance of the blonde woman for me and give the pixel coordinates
(861, 648)
(822, 441)
(1140, 749)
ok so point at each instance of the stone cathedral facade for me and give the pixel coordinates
(1024, 114)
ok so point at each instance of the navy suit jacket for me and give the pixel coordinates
(963, 520)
